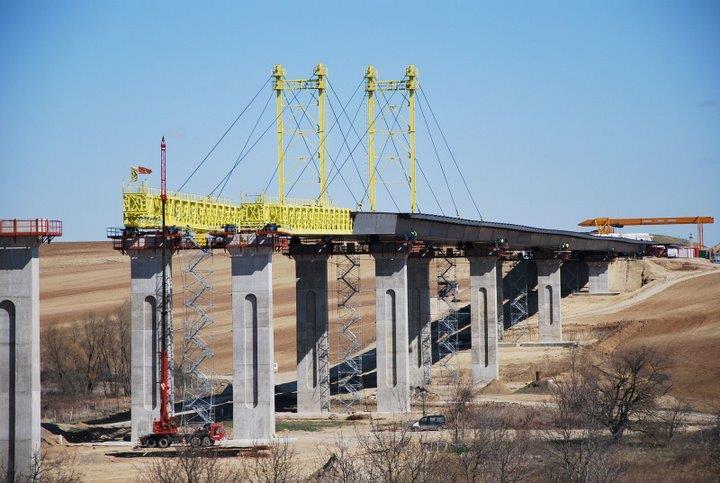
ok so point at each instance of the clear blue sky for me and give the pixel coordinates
(557, 111)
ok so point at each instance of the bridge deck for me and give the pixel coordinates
(443, 229)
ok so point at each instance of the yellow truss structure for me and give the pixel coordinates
(410, 84)
(142, 210)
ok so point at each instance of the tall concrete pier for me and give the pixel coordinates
(391, 310)
(420, 344)
(20, 242)
(485, 313)
(253, 342)
(598, 277)
(548, 285)
(146, 305)
(313, 369)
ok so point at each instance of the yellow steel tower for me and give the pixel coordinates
(317, 83)
(409, 84)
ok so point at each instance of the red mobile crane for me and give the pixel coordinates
(165, 432)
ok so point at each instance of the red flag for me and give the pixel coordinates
(144, 170)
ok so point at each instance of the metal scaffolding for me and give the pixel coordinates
(349, 338)
(197, 385)
(447, 338)
(518, 297)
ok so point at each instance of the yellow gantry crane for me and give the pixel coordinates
(142, 206)
(605, 226)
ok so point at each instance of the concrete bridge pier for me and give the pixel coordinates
(548, 286)
(253, 344)
(485, 315)
(19, 354)
(391, 309)
(313, 365)
(420, 343)
(146, 307)
(598, 277)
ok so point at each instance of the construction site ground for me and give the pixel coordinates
(673, 305)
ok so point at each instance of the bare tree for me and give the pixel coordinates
(58, 351)
(394, 455)
(191, 465)
(494, 451)
(460, 399)
(623, 391)
(576, 449)
(90, 340)
(60, 469)
(342, 466)
(281, 465)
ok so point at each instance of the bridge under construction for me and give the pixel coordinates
(414, 257)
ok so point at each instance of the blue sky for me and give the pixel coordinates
(556, 111)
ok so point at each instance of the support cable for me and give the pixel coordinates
(382, 151)
(224, 134)
(437, 156)
(312, 158)
(261, 135)
(226, 178)
(417, 161)
(360, 139)
(447, 145)
(345, 141)
(346, 159)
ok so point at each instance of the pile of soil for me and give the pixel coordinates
(495, 388)
(543, 386)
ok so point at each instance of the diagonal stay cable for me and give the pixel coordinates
(382, 151)
(437, 156)
(297, 179)
(224, 181)
(257, 140)
(360, 139)
(285, 150)
(342, 132)
(417, 161)
(224, 134)
(312, 155)
(447, 145)
(299, 128)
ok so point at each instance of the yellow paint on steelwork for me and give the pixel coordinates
(142, 209)
(409, 83)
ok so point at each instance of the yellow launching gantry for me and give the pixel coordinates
(142, 207)
(409, 84)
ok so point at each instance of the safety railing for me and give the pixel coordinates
(36, 227)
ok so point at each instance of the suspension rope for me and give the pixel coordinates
(437, 156)
(342, 132)
(417, 161)
(360, 139)
(312, 156)
(224, 181)
(447, 145)
(224, 134)
(382, 150)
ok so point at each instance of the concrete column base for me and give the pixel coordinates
(548, 286)
(420, 343)
(253, 344)
(313, 368)
(19, 355)
(484, 318)
(598, 277)
(146, 306)
(391, 305)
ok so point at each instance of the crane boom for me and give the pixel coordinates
(605, 226)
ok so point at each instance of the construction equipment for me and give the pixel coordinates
(165, 431)
(605, 226)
